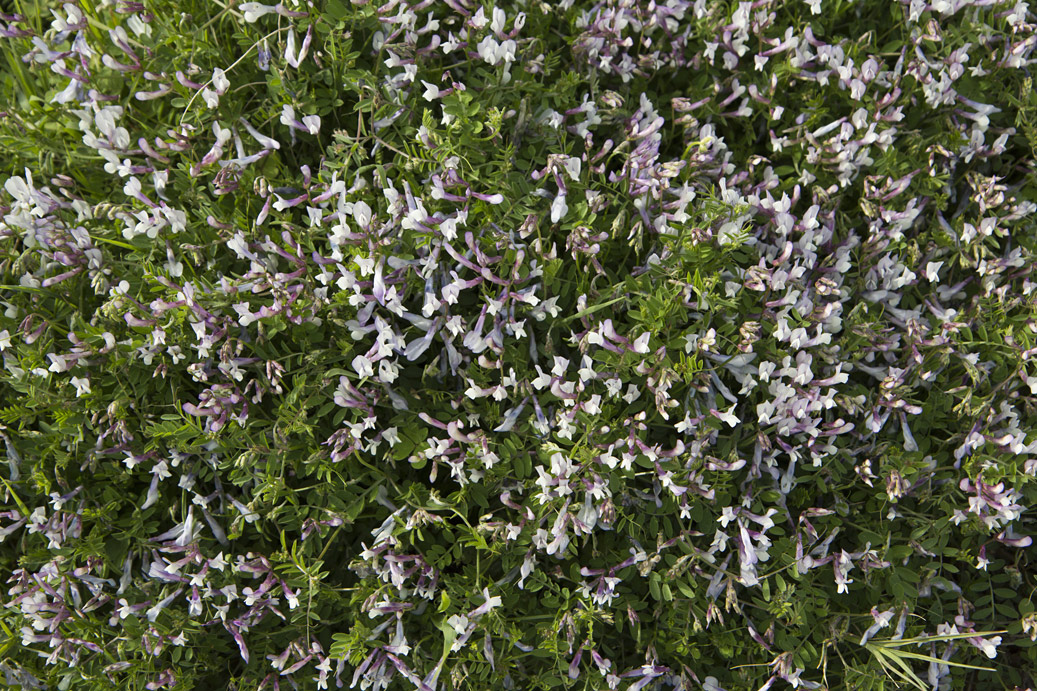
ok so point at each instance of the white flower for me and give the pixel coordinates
(431, 91)
(19, 189)
(478, 20)
(448, 228)
(132, 461)
(312, 124)
(175, 268)
(451, 44)
(553, 118)
(239, 246)
(255, 10)
(542, 381)
(211, 98)
(632, 394)
(495, 601)
(458, 623)
(152, 497)
(493, 52)
(82, 385)
(728, 416)
(177, 219)
(363, 366)
(287, 115)
(932, 271)
(560, 365)
(249, 515)
(572, 166)
(506, 52)
(362, 214)
(387, 371)
(558, 208)
(57, 363)
(488, 48)
(132, 187)
(5, 340)
(245, 316)
(220, 81)
(989, 647)
(497, 25)
(290, 55)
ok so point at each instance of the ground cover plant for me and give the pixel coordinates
(529, 345)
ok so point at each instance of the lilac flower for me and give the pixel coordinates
(264, 141)
(290, 55)
(842, 566)
(881, 620)
(491, 603)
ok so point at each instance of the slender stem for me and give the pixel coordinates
(328, 544)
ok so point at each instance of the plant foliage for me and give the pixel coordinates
(579, 345)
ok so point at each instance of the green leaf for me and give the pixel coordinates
(449, 636)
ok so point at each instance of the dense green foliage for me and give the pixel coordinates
(627, 345)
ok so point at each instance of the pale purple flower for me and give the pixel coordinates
(264, 141)
(881, 620)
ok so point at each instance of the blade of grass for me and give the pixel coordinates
(17, 500)
(891, 643)
(904, 671)
(930, 658)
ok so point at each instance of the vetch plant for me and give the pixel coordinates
(441, 345)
